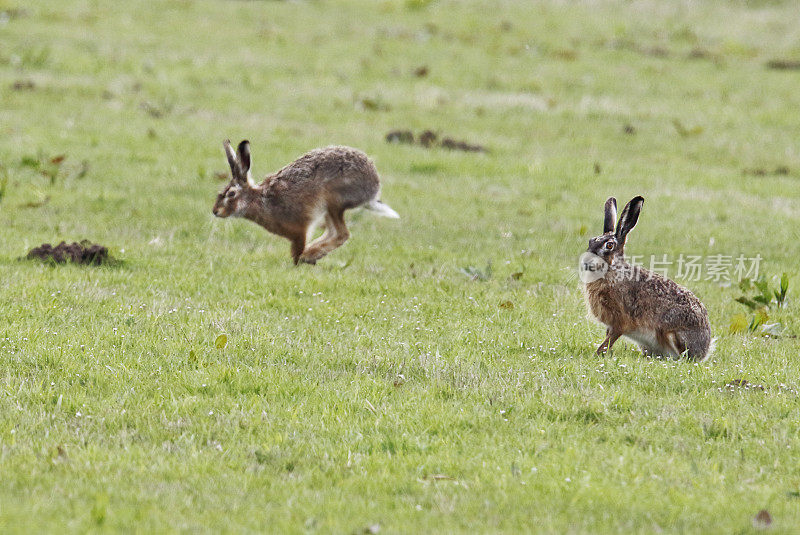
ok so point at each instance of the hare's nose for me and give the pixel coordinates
(214, 211)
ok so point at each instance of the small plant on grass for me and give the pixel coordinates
(47, 166)
(478, 274)
(759, 297)
(764, 296)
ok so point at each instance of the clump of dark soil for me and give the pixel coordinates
(400, 136)
(762, 171)
(430, 139)
(452, 144)
(23, 85)
(784, 64)
(704, 53)
(427, 139)
(421, 71)
(85, 252)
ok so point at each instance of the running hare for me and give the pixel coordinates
(314, 189)
(653, 311)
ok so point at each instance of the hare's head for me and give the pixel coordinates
(612, 242)
(233, 199)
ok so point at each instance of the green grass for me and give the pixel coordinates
(384, 389)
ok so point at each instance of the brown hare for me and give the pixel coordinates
(315, 189)
(662, 317)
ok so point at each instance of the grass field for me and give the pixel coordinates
(384, 389)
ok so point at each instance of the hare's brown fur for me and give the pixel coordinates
(315, 189)
(661, 316)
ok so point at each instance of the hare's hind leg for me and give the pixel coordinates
(326, 235)
(313, 251)
(335, 235)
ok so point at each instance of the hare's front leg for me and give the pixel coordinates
(298, 244)
(611, 337)
(335, 235)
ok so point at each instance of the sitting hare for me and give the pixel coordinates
(316, 188)
(662, 317)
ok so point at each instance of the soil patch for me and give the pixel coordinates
(23, 85)
(85, 252)
(430, 139)
(763, 171)
(784, 64)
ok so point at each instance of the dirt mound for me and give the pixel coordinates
(400, 136)
(784, 64)
(763, 171)
(429, 139)
(84, 252)
(23, 85)
(452, 144)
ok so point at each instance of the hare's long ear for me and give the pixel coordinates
(244, 158)
(629, 217)
(236, 171)
(611, 215)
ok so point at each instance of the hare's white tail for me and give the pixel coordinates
(381, 209)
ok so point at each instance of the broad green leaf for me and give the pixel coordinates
(746, 301)
(762, 299)
(759, 318)
(738, 324)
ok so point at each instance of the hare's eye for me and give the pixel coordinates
(230, 193)
(609, 245)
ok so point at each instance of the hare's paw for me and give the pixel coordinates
(311, 255)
